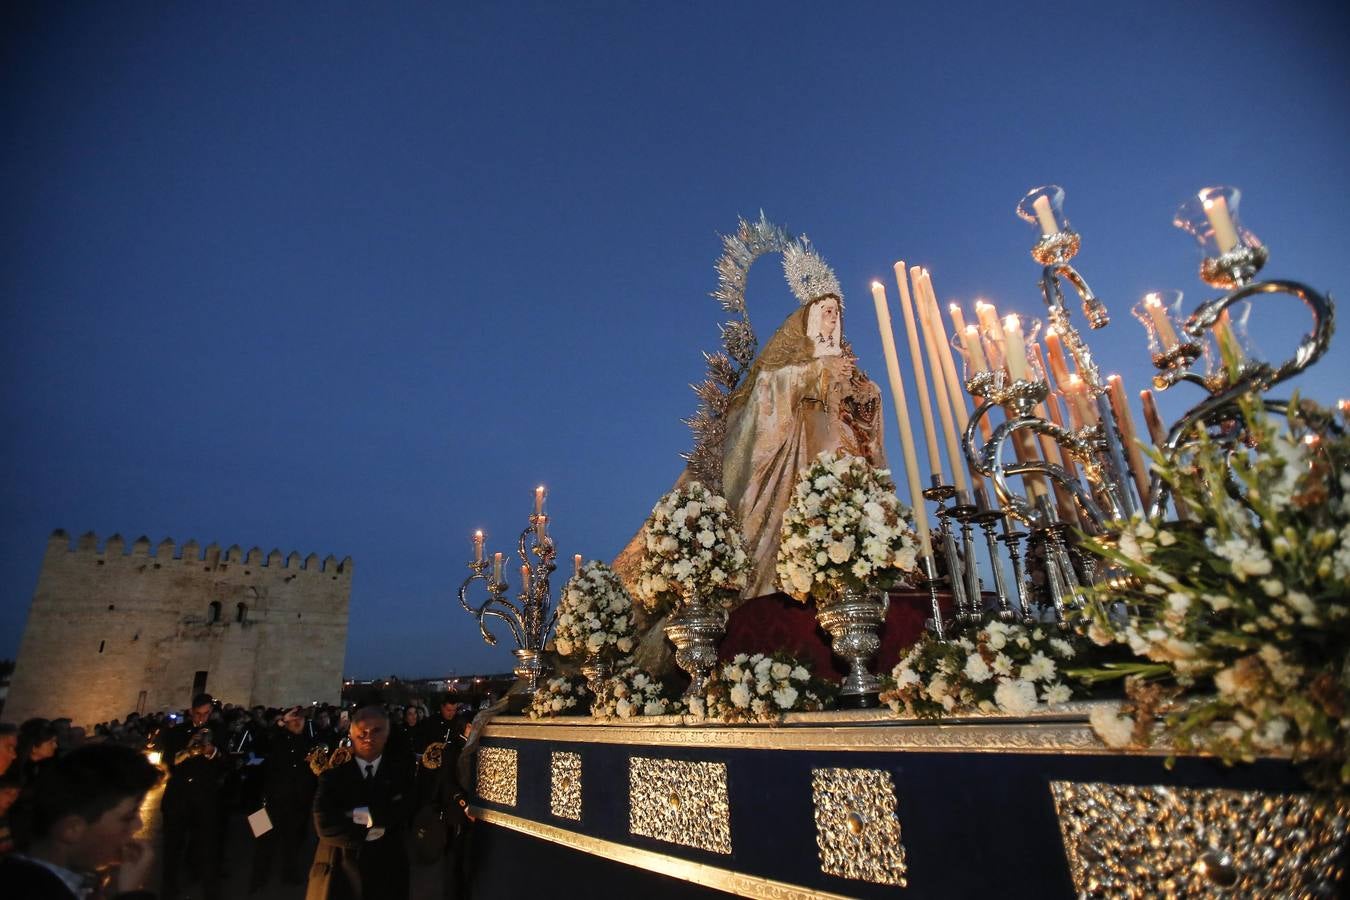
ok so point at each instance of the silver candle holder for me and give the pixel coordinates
(1231, 258)
(530, 617)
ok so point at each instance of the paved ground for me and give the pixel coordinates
(426, 880)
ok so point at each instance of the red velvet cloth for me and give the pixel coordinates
(777, 622)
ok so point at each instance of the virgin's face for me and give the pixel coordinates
(829, 316)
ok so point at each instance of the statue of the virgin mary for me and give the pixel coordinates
(803, 394)
(765, 418)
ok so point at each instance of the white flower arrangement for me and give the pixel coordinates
(844, 527)
(595, 615)
(1251, 596)
(758, 688)
(631, 692)
(693, 552)
(1007, 668)
(555, 697)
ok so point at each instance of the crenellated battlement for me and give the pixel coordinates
(88, 545)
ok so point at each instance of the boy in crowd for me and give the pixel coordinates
(77, 821)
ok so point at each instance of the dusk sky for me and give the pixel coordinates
(354, 278)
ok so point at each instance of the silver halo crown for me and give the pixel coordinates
(807, 274)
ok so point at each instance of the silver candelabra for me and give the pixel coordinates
(531, 616)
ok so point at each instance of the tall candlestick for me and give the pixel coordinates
(539, 494)
(1016, 348)
(1120, 409)
(1225, 235)
(1054, 349)
(920, 379)
(939, 383)
(1045, 215)
(1167, 335)
(576, 565)
(916, 500)
(496, 568)
(478, 546)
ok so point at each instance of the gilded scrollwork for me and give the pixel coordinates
(497, 768)
(565, 792)
(681, 802)
(857, 826)
(1138, 841)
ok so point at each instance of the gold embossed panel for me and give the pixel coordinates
(681, 802)
(857, 828)
(1156, 841)
(565, 794)
(497, 768)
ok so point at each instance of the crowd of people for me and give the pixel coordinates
(375, 788)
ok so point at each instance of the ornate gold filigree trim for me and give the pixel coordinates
(681, 802)
(497, 767)
(972, 737)
(1141, 841)
(857, 829)
(670, 866)
(565, 792)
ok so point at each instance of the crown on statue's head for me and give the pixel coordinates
(808, 275)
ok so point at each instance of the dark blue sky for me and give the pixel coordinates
(353, 279)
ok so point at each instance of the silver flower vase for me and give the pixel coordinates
(695, 629)
(853, 618)
(597, 670)
(529, 668)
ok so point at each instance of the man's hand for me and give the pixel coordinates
(131, 874)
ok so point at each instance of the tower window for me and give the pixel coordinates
(100, 646)
(213, 613)
(241, 613)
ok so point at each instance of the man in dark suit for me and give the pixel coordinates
(361, 812)
(79, 817)
(193, 808)
(288, 795)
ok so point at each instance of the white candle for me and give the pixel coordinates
(1015, 347)
(930, 337)
(540, 527)
(920, 379)
(1167, 335)
(576, 565)
(1045, 215)
(497, 568)
(956, 392)
(970, 340)
(525, 577)
(1054, 350)
(988, 316)
(478, 546)
(1082, 408)
(1225, 235)
(958, 317)
(1120, 409)
(916, 500)
(539, 494)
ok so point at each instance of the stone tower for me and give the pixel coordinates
(110, 632)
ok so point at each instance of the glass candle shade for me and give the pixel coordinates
(1211, 217)
(1161, 315)
(1043, 207)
